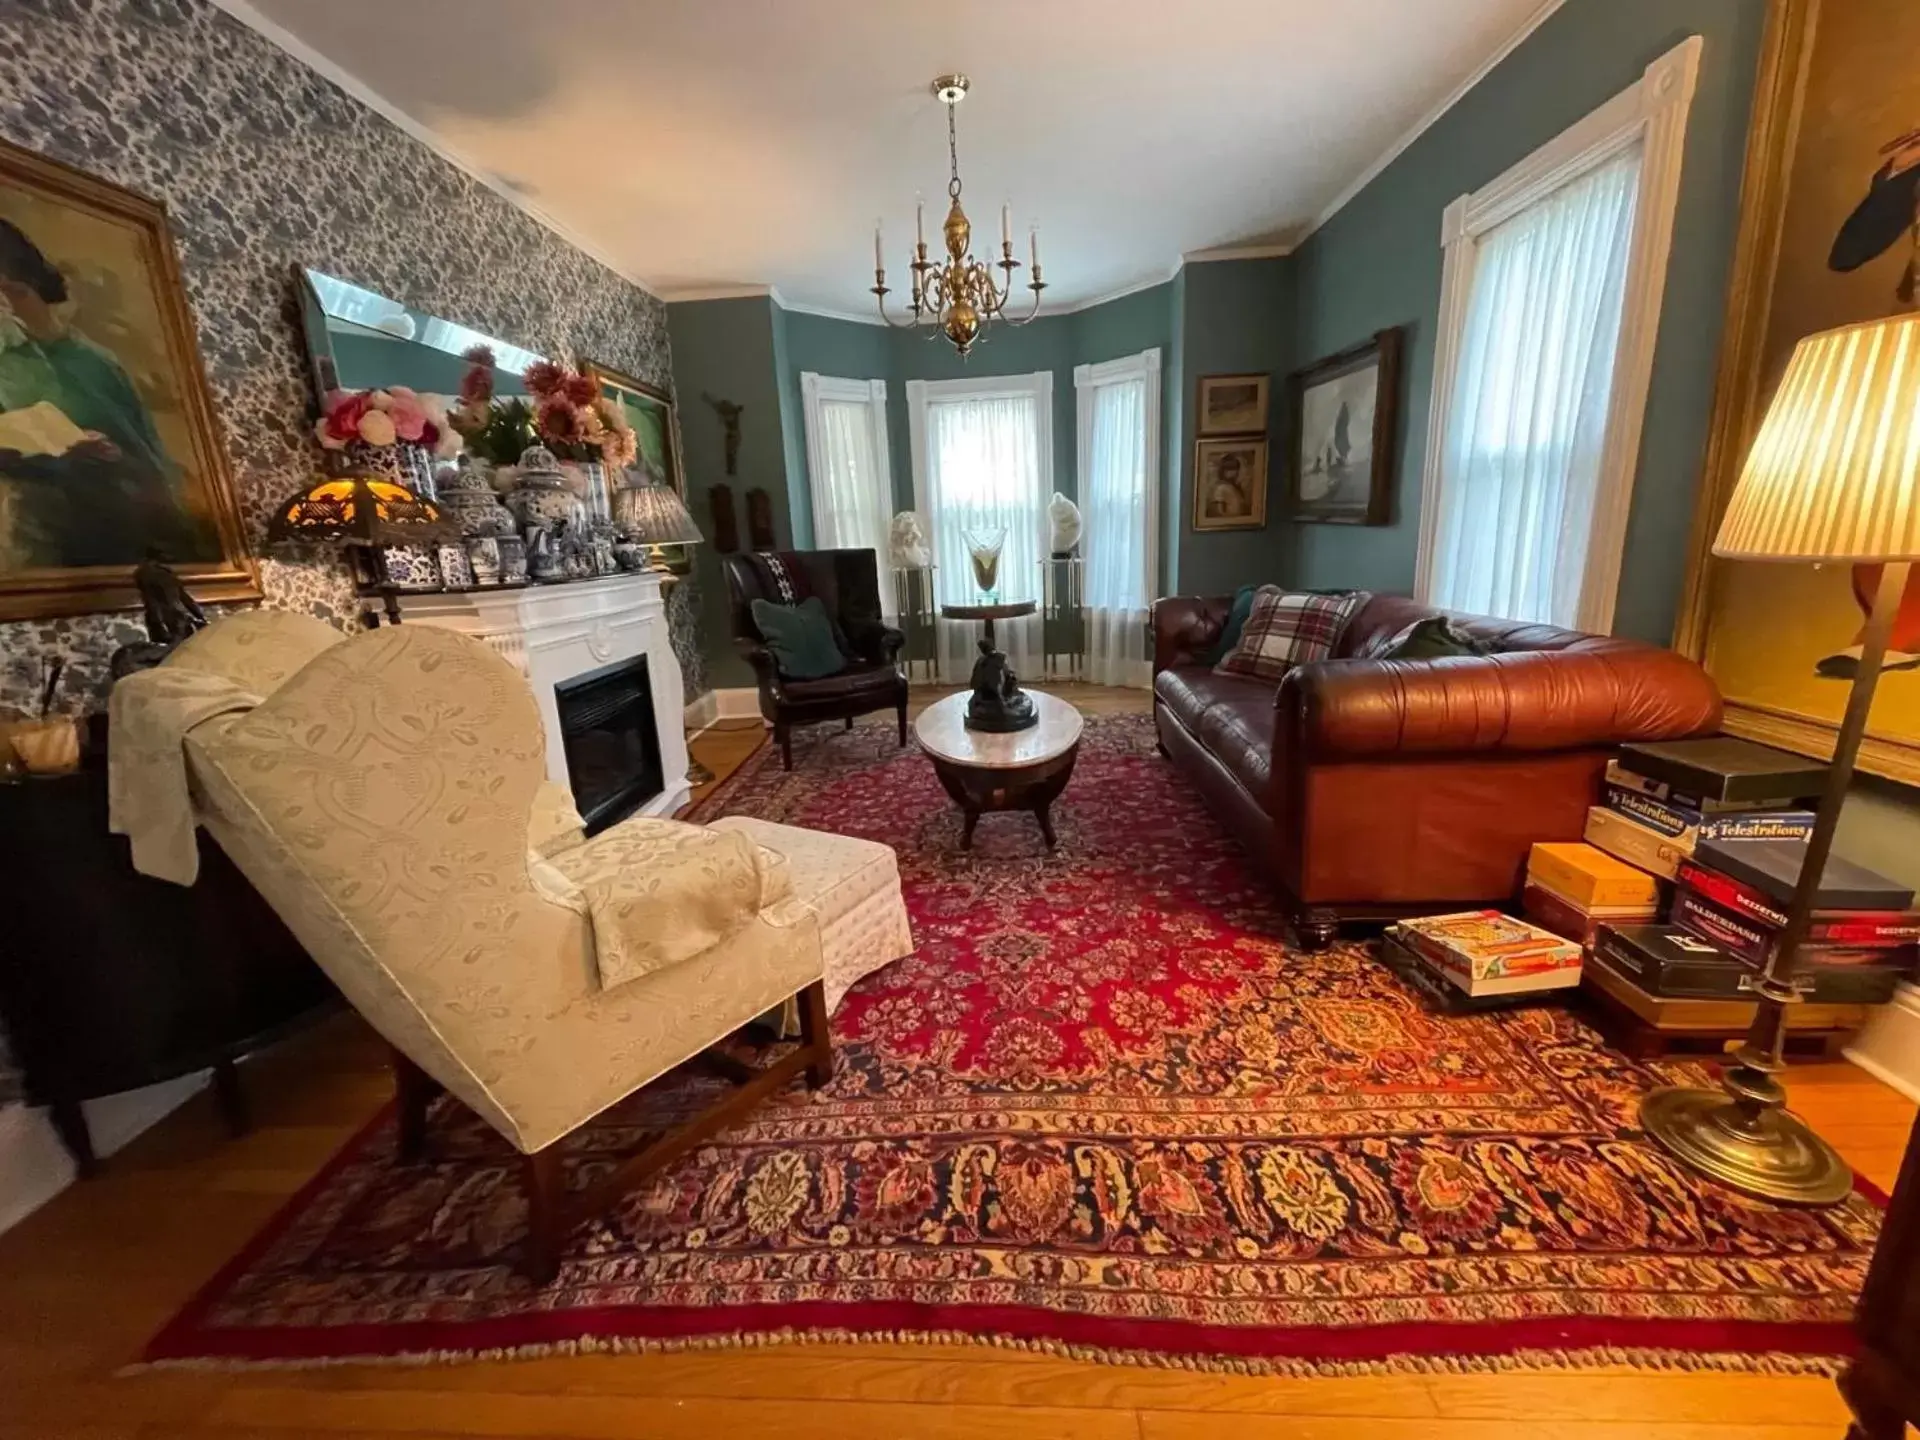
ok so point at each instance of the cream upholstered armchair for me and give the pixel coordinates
(387, 800)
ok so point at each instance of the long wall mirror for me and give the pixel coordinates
(358, 339)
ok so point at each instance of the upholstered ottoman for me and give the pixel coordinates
(852, 885)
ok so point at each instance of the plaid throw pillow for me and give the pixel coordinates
(1286, 630)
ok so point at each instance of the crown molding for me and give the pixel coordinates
(284, 39)
(1238, 252)
(1400, 146)
(718, 292)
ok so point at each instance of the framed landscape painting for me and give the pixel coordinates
(1344, 414)
(108, 448)
(656, 426)
(1828, 236)
(1233, 405)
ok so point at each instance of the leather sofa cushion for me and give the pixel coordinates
(1231, 715)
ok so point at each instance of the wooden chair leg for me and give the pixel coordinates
(415, 1090)
(816, 1034)
(546, 1194)
(849, 722)
(784, 738)
(901, 711)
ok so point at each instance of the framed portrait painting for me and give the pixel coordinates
(1230, 483)
(656, 426)
(1829, 235)
(1233, 405)
(1343, 432)
(109, 452)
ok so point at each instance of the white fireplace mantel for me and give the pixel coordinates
(554, 633)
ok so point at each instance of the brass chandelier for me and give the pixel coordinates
(959, 294)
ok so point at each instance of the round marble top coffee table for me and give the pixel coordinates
(983, 772)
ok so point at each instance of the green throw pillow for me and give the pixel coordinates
(1236, 622)
(800, 637)
(1433, 638)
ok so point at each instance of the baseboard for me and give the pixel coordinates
(742, 703)
(702, 711)
(35, 1166)
(1889, 1048)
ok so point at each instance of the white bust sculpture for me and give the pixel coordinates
(907, 543)
(1065, 516)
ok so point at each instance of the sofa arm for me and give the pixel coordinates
(1185, 627)
(1527, 700)
(766, 669)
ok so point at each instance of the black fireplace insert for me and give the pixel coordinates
(612, 744)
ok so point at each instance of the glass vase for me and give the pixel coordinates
(983, 549)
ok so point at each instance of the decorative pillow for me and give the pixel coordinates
(1434, 638)
(1236, 622)
(1285, 630)
(800, 637)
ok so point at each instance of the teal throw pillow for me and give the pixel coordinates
(1434, 638)
(1236, 622)
(800, 637)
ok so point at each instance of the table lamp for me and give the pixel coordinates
(1833, 478)
(361, 512)
(655, 515)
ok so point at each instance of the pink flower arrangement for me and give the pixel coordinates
(575, 420)
(386, 417)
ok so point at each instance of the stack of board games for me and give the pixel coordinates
(1734, 894)
(1663, 799)
(1572, 889)
(1485, 955)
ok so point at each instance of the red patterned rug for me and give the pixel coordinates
(1103, 1110)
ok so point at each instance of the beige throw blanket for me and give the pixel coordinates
(148, 799)
(659, 892)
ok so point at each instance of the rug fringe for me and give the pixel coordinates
(1593, 1359)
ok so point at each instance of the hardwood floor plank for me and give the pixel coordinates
(1155, 1425)
(1644, 1399)
(596, 1417)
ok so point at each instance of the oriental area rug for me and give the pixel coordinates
(1104, 1110)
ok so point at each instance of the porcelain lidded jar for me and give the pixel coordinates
(541, 496)
(467, 495)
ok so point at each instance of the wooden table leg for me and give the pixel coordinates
(546, 1194)
(1043, 812)
(70, 1124)
(969, 819)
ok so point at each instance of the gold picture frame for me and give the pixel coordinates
(1774, 636)
(655, 419)
(109, 446)
(1230, 483)
(1233, 404)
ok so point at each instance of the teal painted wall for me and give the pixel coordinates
(1237, 318)
(726, 349)
(1377, 263)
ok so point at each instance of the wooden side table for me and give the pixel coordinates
(986, 771)
(1009, 610)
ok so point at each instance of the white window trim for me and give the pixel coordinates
(921, 393)
(815, 388)
(1086, 378)
(1653, 110)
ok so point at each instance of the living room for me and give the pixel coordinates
(669, 780)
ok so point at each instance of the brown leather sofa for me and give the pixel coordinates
(1375, 789)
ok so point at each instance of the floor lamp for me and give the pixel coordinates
(1833, 478)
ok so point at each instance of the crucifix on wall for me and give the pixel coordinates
(729, 414)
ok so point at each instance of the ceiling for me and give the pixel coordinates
(700, 145)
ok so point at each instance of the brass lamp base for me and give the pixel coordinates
(1766, 1152)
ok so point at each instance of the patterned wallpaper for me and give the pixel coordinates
(262, 164)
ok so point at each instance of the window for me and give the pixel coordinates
(1119, 463)
(983, 460)
(1549, 307)
(847, 468)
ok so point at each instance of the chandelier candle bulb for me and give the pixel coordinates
(920, 224)
(1006, 228)
(879, 252)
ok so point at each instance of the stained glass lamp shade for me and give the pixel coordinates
(362, 513)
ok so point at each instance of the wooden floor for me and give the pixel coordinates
(84, 1282)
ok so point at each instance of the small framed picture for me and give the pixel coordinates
(1233, 405)
(1345, 425)
(1230, 483)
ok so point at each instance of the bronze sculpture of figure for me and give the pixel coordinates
(999, 705)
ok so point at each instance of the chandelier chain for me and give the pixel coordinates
(953, 155)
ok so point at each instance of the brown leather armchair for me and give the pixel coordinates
(848, 584)
(1375, 789)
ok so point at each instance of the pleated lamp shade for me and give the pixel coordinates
(1835, 472)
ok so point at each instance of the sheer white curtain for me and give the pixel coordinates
(847, 468)
(982, 460)
(1521, 465)
(1119, 460)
